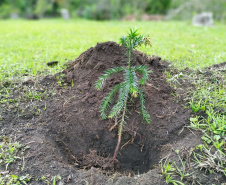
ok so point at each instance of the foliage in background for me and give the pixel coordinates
(112, 9)
(90, 9)
(30, 8)
(115, 9)
(185, 9)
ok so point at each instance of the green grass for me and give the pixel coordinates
(206, 97)
(209, 97)
(26, 46)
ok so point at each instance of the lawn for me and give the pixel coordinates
(195, 99)
(26, 46)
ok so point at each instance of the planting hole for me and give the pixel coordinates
(136, 155)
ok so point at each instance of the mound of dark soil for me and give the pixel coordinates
(84, 140)
(68, 136)
(75, 123)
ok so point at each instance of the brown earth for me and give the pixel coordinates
(67, 137)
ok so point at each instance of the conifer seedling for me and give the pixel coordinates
(131, 87)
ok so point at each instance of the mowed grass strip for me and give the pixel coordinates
(26, 46)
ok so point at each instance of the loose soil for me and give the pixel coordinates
(67, 137)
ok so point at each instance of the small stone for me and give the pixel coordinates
(14, 16)
(61, 183)
(203, 19)
(65, 14)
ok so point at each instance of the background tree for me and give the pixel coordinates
(113, 9)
